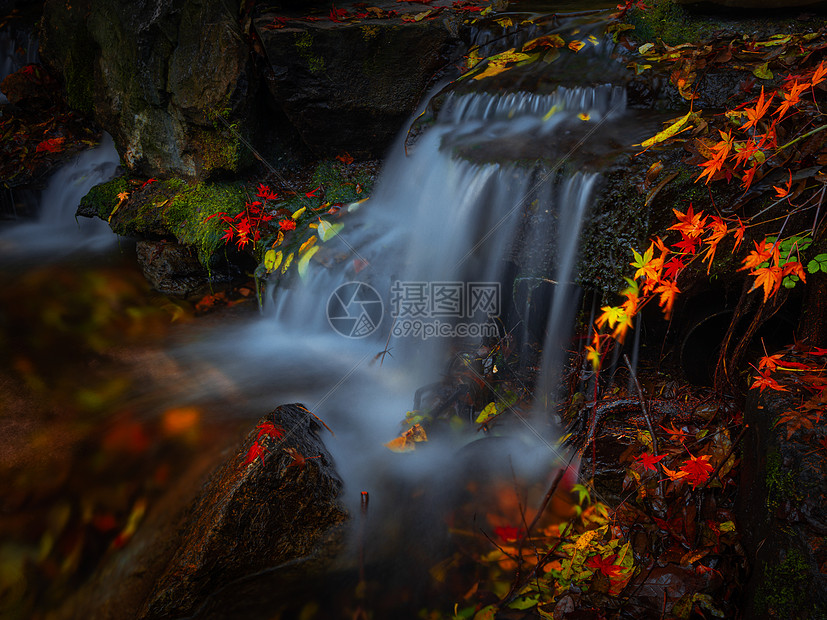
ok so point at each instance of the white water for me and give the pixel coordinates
(432, 218)
(57, 232)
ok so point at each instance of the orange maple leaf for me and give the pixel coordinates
(673, 475)
(668, 290)
(748, 176)
(791, 98)
(738, 233)
(691, 224)
(794, 268)
(760, 254)
(819, 75)
(757, 113)
(747, 150)
(718, 230)
(769, 278)
(783, 191)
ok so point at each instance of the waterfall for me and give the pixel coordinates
(57, 232)
(436, 220)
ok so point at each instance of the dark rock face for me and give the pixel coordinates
(180, 84)
(159, 77)
(351, 88)
(255, 515)
(783, 514)
(171, 268)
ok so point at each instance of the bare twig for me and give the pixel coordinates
(517, 584)
(646, 417)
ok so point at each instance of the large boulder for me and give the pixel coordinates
(351, 86)
(266, 509)
(167, 79)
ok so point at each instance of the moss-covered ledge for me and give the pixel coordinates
(169, 209)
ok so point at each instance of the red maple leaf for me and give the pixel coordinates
(268, 429)
(687, 245)
(509, 533)
(52, 145)
(605, 565)
(256, 451)
(648, 460)
(299, 460)
(265, 192)
(763, 380)
(149, 182)
(697, 469)
(286, 225)
(313, 193)
(672, 268)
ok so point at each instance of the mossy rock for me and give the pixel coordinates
(168, 209)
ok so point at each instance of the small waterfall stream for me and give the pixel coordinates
(460, 215)
(57, 232)
(436, 220)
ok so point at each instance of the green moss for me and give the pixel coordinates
(785, 586)
(187, 212)
(78, 73)
(671, 22)
(304, 43)
(102, 198)
(780, 484)
(339, 184)
(221, 153)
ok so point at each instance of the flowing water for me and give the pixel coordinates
(57, 231)
(427, 265)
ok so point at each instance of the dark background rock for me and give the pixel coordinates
(782, 513)
(256, 517)
(159, 77)
(171, 268)
(351, 87)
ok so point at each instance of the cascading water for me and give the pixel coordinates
(436, 217)
(57, 232)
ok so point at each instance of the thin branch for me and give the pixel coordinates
(646, 417)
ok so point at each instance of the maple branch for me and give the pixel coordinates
(801, 137)
(646, 417)
(516, 582)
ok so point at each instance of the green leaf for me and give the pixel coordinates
(582, 494)
(328, 230)
(763, 72)
(525, 602)
(304, 259)
(272, 260)
(489, 612)
(819, 263)
(487, 413)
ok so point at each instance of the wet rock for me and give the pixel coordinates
(164, 78)
(171, 268)
(265, 514)
(783, 512)
(350, 87)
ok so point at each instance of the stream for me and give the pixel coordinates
(107, 379)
